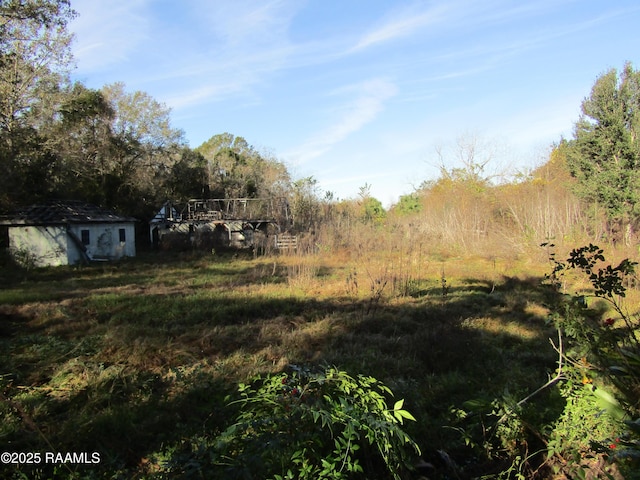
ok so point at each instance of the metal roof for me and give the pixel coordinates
(63, 213)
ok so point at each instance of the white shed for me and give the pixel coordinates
(66, 233)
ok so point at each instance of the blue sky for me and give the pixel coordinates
(357, 92)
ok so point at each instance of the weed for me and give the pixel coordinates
(352, 284)
(310, 424)
(444, 286)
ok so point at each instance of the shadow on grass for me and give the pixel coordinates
(136, 376)
(60, 283)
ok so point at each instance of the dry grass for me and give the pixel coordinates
(136, 357)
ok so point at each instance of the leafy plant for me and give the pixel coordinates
(598, 378)
(307, 424)
(603, 373)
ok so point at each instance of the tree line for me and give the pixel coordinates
(588, 188)
(60, 139)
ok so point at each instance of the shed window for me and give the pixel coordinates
(123, 235)
(86, 239)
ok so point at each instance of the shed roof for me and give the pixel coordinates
(63, 213)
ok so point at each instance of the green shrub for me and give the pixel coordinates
(307, 424)
(598, 380)
(601, 377)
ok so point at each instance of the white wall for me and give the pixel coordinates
(39, 246)
(104, 240)
(52, 245)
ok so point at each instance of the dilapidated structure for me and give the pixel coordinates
(67, 233)
(219, 223)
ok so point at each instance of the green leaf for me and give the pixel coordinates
(407, 415)
(476, 405)
(608, 402)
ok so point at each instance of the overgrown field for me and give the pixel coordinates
(139, 361)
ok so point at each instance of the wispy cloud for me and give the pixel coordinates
(199, 94)
(402, 24)
(247, 22)
(370, 97)
(108, 32)
(246, 44)
(457, 15)
(214, 50)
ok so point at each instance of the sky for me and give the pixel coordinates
(377, 93)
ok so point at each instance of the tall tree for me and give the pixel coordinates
(84, 141)
(116, 148)
(605, 153)
(305, 203)
(236, 169)
(146, 147)
(35, 59)
(142, 119)
(188, 177)
(47, 13)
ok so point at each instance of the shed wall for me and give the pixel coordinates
(40, 246)
(104, 241)
(53, 245)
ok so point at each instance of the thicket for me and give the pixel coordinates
(465, 215)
